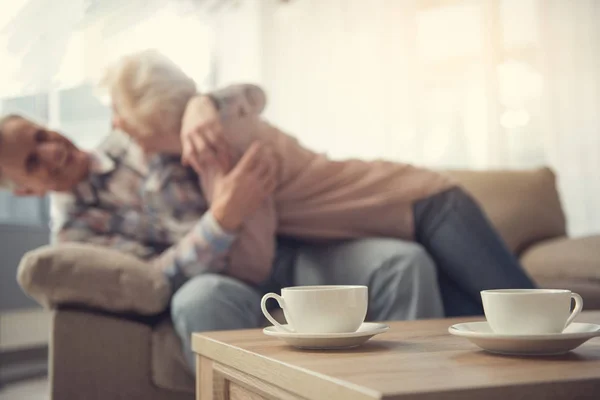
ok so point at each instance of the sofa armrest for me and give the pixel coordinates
(577, 258)
(91, 276)
(97, 357)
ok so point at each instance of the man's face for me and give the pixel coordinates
(38, 159)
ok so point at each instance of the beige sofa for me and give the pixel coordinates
(123, 354)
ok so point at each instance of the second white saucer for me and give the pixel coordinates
(482, 335)
(323, 341)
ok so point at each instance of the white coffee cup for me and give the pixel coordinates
(320, 309)
(530, 311)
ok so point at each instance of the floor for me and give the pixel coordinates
(23, 353)
(34, 389)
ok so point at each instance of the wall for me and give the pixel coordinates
(14, 242)
(495, 84)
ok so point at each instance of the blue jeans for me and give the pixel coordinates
(400, 275)
(469, 254)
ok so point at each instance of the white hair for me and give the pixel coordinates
(150, 92)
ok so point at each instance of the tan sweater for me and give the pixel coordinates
(316, 198)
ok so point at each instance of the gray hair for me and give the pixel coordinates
(150, 91)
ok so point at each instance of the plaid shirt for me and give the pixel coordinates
(157, 210)
(153, 210)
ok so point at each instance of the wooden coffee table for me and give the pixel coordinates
(414, 360)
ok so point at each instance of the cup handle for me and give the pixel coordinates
(281, 302)
(576, 310)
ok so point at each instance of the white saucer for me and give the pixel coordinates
(328, 341)
(481, 334)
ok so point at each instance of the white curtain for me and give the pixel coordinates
(59, 49)
(449, 84)
(571, 43)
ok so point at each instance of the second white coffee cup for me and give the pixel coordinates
(530, 311)
(320, 309)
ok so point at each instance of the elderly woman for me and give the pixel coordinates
(317, 198)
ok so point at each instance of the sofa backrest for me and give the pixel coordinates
(523, 205)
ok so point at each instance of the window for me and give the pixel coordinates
(479, 82)
(81, 116)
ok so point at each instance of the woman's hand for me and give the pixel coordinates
(201, 136)
(239, 193)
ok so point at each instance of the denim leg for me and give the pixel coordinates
(282, 271)
(457, 303)
(400, 275)
(465, 247)
(210, 302)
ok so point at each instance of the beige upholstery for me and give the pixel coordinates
(93, 276)
(565, 263)
(98, 357)
(588, 289)
(169, 368)
(564, 258)
(110, 357)
(523, 205)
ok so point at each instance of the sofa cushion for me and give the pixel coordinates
(523, 205)
(82, 274)
(589, 290)
(565, 258)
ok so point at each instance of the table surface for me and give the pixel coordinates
(416, 359)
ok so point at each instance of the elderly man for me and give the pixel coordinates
(151, 206)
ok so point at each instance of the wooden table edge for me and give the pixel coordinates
(290, 376)
(324, 386)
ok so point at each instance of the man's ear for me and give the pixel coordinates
(24, 191)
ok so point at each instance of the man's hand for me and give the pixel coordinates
(238, 194)
(201, 136)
